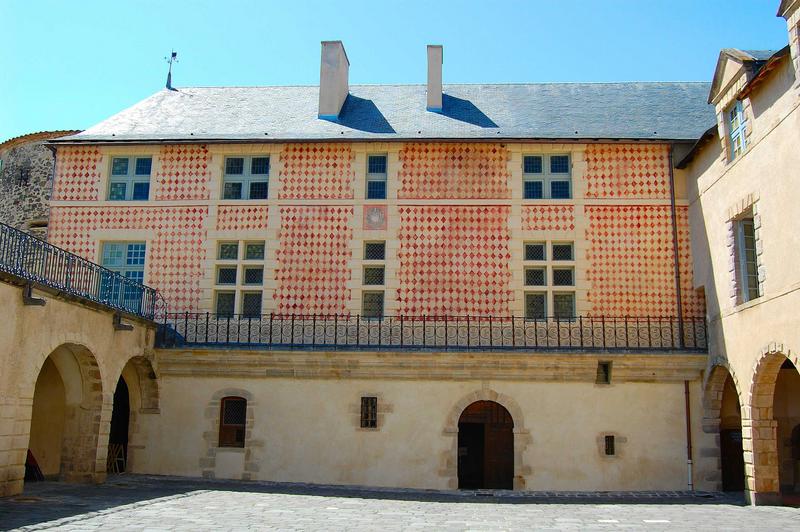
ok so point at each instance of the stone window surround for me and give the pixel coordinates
(619, 445)
(207, 463)
(383, 408)
(745, 206)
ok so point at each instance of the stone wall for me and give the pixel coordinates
(26, 175)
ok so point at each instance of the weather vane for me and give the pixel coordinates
(173, 58)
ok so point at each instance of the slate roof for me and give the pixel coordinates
(632, 110)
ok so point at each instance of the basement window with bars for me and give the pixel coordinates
(232, 421)
(546, 177)
(246, 178)
(376, 177)
(130, 178)
(369, 412)
(610, 445)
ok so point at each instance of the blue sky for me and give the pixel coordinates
(70, 64)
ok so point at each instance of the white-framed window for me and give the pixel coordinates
(547, 176)
(130, 178)
(549, 274)
(376, 176)
(126, 259)
(736, 129)
(746, 260)
(239, 278)
(246, 177)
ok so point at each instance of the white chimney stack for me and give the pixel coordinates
(333, 82)
(435, 60)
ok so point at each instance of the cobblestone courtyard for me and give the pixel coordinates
(166, 503)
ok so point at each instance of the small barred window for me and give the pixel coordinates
(369, 412)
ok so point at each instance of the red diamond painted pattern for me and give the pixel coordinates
(77, 174)
(184, 173)
(313, 260)
(631, 266)
(242, 218)
(453, 171)
(175, 255)
(317, 171)
(627, 171)
(548, 218)
(454, 260)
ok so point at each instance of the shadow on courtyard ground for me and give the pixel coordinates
(47, 501)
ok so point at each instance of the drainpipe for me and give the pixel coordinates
(678, 301)
(688, 435)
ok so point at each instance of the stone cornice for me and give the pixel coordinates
(405, 365)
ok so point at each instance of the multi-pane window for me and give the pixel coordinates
(369, 412)
(374, 250)
(746, 259)
(232, 422)
(535, 251)
(239, 278)
(376, 177)
(130, 178)
(564, 305)
(563, 276)
(535, 276)
(374, 275)
(563, 251)
(549, 274)
(736, 129)
(245, 178)
(372, 304)
(127, 259)
(546, 177)
(536, 305)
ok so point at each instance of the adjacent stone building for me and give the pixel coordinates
(742, 190)
(26, 179)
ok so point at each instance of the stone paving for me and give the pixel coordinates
(135, 502)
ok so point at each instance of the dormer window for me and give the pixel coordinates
(736, 129)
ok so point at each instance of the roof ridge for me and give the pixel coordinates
(507, 83)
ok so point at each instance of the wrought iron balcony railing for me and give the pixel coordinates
(273, 331)
(29, 258)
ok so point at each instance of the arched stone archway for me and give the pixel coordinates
(760, 427)
(722, 418)
(521, 437)
(141, 381)
(67, 413)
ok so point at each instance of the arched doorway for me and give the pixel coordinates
(65, 417)
(775, 410)
(730, 438)
(485, 447)
(786, 409)
(118, 435)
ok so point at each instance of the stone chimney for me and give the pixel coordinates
(435, 60)
(333, 83)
